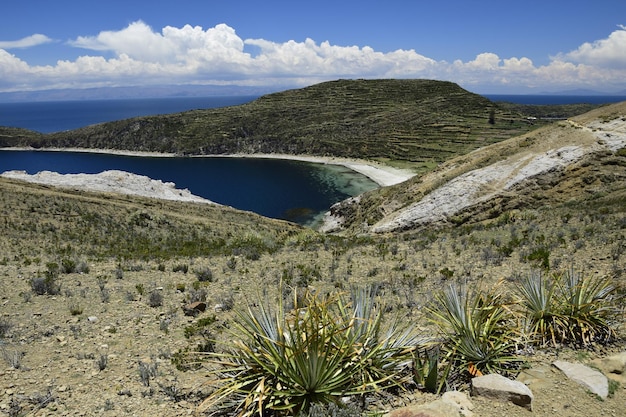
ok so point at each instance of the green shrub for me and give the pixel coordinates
(541, 256)
(477, 328)
(140, 289)
(327, 348)
(569, 308)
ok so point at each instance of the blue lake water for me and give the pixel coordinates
(56, 116)
(290, 190)
(283, 189)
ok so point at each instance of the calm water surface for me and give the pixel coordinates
(283, 189)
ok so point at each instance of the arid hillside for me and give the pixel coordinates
(568, 161)
(112, 304)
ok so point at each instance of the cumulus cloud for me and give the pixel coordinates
(608, 53)
(27, 42)
(139, 55)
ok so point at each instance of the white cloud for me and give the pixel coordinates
(608, 53)
(138, 55)
(27, 42)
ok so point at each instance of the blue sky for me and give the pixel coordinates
(485, 46)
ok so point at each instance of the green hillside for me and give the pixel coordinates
(419, 121)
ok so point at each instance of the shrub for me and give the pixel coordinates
(12, 357)
(102, 362)
(155, 299)
(45, 285)
(75, 308)
(5, 327)
(48, 284)
(184, 268)
(147, 371)
(477, 328)
(204, 274)
(327, 348)
(68, 266)
(541, 256)
(194, 295)
(569, 308)
(140, 289)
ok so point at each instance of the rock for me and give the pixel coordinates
(194, 309)
(460, 401)
(537, 378)
(451, 404)
(497, 387)
(615, 364)
(438, 408)
(593, 380)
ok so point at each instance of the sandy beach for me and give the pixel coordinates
(381, 174)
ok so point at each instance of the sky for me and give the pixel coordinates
(487, 46)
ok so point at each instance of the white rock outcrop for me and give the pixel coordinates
(482, 184)
(110, 181)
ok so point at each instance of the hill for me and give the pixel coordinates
(551, 165)
(421, 122)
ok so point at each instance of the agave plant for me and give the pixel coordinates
(281, 362)
(478, 329)
(569, 308)
(537, 298)
(588, 305)
(427, 372)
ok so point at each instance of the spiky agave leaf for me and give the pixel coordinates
(476, 327)
(316, 354)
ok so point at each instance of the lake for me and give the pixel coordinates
(291, 190)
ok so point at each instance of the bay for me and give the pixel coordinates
(284, 189)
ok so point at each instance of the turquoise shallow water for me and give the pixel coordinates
(284, 189)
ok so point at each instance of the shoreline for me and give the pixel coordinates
(381, 174)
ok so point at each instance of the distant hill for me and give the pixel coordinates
(107, 93)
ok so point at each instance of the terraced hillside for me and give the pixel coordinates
(422, 122)
(550, 165)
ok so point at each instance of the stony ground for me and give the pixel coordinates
(100, 348)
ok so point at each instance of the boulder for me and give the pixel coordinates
(438, 408)
(593, 380)
(500, 388)
(194, 309)
(460, 400)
